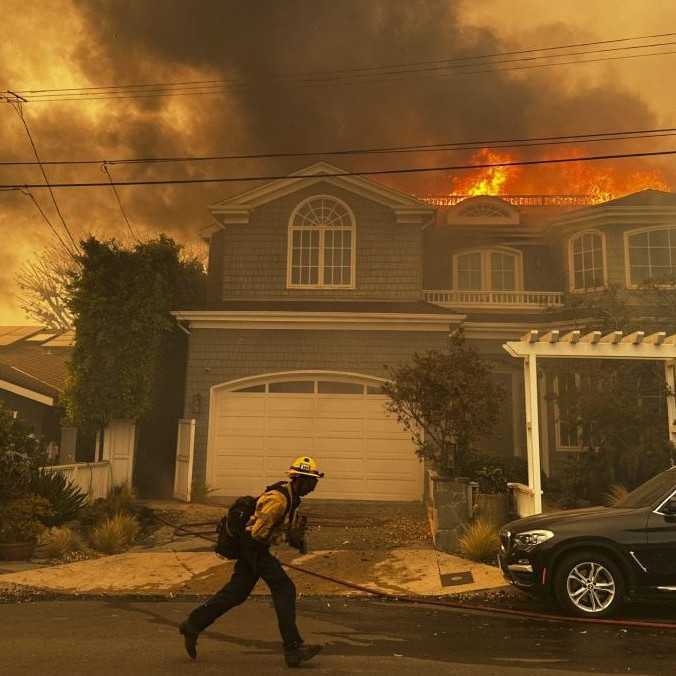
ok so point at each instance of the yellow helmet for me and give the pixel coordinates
(304, 466)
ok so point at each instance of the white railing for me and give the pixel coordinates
(517, 200)
(92, 478)
(523, 499)
(495, 299)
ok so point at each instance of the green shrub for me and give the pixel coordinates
(480, 541)
(200, 490)
(115, 534)
(120, 501)
(21, 518)
(59, 542)
(64, 497)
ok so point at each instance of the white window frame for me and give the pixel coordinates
(557, 418)
(322, 231)
(627, 258)
(571, 261)
(486, 281)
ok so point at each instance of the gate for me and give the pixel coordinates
(185, 446)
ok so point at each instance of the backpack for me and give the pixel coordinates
(232, 527)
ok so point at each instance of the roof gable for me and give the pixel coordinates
(236, 209)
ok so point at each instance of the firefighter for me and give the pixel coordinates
(276, 515)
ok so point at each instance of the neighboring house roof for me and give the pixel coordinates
(35, 359)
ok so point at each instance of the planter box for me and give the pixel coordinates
(493, 508)
(16, 551)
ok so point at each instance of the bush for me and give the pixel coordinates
(115, 534)
(493, 472)
(59, 542)
(65, 498)
(480, 542)
(200, 490)
(120, 501)
(21, 519)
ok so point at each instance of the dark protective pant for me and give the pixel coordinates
(255, 562)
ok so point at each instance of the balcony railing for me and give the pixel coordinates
(517, 200)
(507, 300)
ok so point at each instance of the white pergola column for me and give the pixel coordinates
(530, 377)
(670, 377)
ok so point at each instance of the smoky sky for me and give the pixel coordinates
(103, 42)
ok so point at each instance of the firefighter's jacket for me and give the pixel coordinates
(271, 520)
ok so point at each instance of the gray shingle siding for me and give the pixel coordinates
(218, 356)
(254, 256)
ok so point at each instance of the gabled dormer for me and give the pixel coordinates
(318, 233)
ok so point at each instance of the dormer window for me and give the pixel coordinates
(321, 248)
(587, 261)
(488, 270)
(651, 255)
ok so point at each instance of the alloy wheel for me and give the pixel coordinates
(591, 587)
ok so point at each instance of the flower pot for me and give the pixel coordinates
(16, 551)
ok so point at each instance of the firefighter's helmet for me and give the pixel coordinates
(304, 466)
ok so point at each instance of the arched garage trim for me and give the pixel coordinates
(382, 446)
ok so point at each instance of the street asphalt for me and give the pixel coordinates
(128, 638)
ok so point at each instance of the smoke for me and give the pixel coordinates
(83, 42)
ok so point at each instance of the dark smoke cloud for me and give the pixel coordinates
(125, 41)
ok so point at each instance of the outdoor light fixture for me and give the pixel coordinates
(196, 403)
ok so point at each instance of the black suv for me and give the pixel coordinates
(591, 560)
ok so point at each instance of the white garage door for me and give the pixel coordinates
(257, 430)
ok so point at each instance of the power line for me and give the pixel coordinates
(490, 144)
(221, 86)
(372, 172)
(390, 67)
(17, 105)
(119, 202)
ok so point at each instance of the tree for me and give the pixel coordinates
(121, 299)
(43, 283)
(446, 400)
(618, 407)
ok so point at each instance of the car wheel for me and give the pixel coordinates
(589, 584)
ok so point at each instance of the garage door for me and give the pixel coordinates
(256, 430)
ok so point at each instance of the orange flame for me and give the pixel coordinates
(601, 181)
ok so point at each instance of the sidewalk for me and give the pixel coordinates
(399, 571)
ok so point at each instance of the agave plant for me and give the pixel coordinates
(64, 497)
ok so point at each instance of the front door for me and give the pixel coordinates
(660, 557)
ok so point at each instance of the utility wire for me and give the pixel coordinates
(450, 146)
(305, 74)
(221, 88)
(17, 105)
(30, 195)
(119, 202)
(372, 172)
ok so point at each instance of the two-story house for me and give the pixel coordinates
(318, 284)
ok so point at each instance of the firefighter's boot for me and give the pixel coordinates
(296, 655)
(189, 638)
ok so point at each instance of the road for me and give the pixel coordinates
(130, 638)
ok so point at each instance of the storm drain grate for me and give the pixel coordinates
(457, 579)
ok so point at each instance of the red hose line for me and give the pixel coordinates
(470, 607)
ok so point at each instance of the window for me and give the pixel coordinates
(651, 254)
(321, 244)
(292, 387)
(568, 432)
(338, 387)
(489, 270)
(587, 261)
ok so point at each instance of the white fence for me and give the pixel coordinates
(185, 447)
(92, 478)
(524, 499)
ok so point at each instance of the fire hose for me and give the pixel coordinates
(442, 603)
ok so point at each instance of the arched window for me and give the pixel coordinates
(587, 261)
(488, 270)
(651, 255)
(321, 250)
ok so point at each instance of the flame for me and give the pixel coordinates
(599, 181)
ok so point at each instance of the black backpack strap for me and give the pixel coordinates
(283, 488)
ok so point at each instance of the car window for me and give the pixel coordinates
(650, 492)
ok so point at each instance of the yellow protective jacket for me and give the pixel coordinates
(272, 520)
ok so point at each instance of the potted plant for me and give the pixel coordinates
(21, 525)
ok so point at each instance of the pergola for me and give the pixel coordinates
(575, 345)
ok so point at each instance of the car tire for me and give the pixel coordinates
(589, 584)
